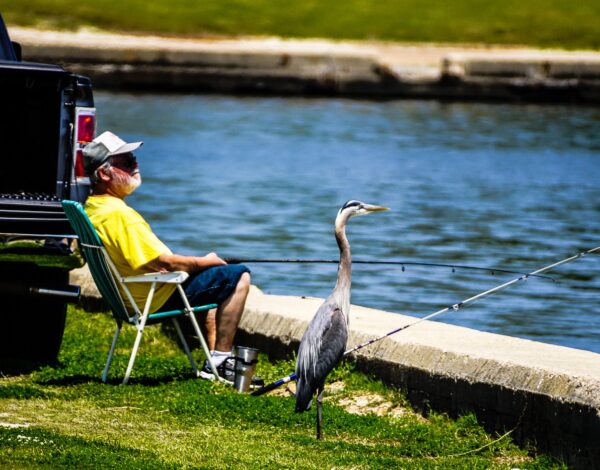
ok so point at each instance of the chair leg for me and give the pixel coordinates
(186, 348)
(111, 352)
(140, 327)
(136, 345)
(192, 317)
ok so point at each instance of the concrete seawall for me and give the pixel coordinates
(548, 395)
(319, 67)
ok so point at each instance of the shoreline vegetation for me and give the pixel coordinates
(62, 416)
(536, 23)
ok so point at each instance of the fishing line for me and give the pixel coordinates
(454, 307)
(388, 262)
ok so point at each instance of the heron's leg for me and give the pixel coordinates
(320, 413)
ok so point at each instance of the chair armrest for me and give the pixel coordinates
(174, 277)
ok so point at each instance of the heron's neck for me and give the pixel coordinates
(344, 279)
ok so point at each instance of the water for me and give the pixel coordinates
(513, 186)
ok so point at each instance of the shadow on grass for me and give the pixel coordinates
(16, 367)
(78, 379)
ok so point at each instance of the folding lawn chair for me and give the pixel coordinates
(108, 280)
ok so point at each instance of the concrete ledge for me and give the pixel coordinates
(549, 395)
(533, 64)
(318, 67)
(120, 61)
(539, 75)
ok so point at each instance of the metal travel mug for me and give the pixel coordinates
(245, 363)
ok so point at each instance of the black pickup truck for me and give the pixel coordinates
(46, 116)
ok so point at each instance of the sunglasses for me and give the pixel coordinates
(126, 161)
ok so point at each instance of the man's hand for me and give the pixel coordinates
(212, 259)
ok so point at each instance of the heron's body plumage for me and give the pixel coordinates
(321, 348)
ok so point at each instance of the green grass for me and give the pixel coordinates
(63, 417)
(544, 23)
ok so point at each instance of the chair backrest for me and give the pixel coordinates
(95, 255)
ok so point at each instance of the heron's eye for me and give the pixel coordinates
(352, 203)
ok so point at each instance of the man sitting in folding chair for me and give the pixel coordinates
(135, 250)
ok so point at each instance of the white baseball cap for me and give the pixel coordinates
(104, 146)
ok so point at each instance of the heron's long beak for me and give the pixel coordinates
(373, 208)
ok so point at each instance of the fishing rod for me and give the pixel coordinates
(454, 307)
(388, 262)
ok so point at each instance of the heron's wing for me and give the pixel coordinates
(310, 345)
(333, 346)
(321, 348)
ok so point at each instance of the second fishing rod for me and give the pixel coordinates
(402, 264)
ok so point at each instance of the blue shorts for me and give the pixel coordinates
(211, 286)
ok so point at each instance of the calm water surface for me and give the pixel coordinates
(513, 186)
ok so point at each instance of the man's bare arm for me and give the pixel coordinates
(189, 264)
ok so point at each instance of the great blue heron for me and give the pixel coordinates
(324, 340)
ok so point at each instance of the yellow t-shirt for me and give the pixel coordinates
(130, 243)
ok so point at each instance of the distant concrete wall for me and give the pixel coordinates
(549, 75)
(318, 67)
(550, 395)
(130, 62)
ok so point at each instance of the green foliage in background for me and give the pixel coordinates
(62, 416)
(545, 23)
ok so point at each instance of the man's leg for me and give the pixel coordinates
(229, 314)
(208, 325)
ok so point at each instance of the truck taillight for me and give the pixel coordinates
(86, 128)
(85, 131)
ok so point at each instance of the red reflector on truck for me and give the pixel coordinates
(86, 126)
(79, 170)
